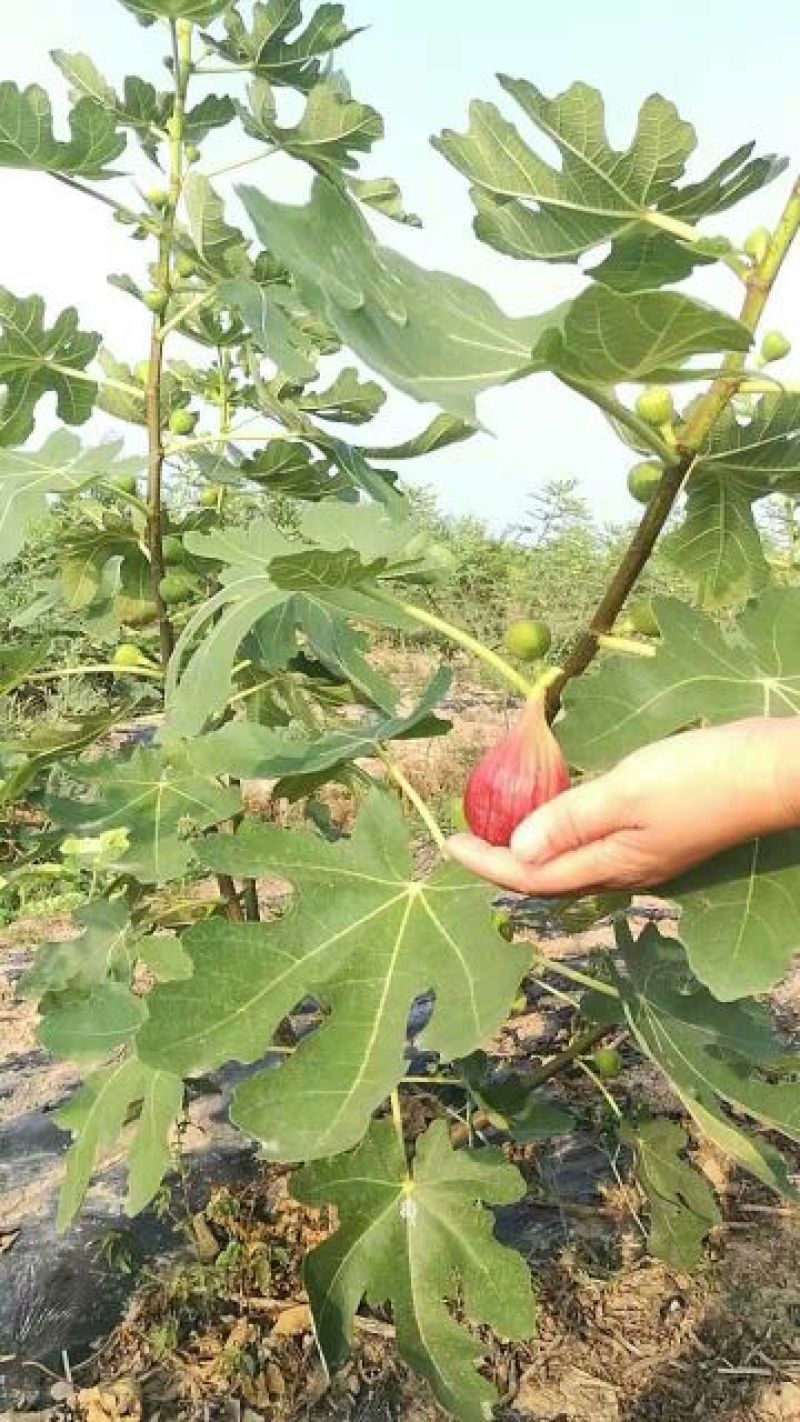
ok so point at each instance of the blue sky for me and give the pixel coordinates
(731, 70)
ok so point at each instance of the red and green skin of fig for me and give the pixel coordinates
(515, 777)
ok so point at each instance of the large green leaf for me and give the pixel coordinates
(27, 139)
(330, 133)
(740, 914)
(31, 754)
(701, 672)
(718, 546)
(530, 209)
(159, 798)
(95, 1117)
(422, 1241)
(435, 336)
(268, 48)
(34, 361)
(139, 106)
(89, 1026)
(716, 1055)
(221, 247)
(643, 257)
(28, 478)
(250, 751)
(442, 431)
(275, 588)
(347, 400)
(102, 950)
(610, 337)
(681, 1201)
(367, 937)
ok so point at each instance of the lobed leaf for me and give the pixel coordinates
(366, 937)
(27, 139)
(681, 1201)
(35, 361)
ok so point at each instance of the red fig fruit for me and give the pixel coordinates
(515, 777)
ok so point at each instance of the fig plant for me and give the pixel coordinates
(249, 637)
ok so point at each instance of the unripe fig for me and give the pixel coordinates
(775, 346)
(173, 550)
(643, 480)
(756, 243)
(643, 619)
(142, 372)
(127, 654)
(656, 406)
(192, 152)
(528, 638)
(515, 777)
(182, 422)
(185, 265)
(126, 483)
(210, 497)
(158, 198)
(503, 923)
(607, 1062)
(176, 588)
(156, 301)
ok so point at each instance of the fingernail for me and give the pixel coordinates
(529, 841)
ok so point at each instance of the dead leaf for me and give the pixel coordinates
(206, 1244)
(291, 1321)
(110, 1404)
(576, 1396)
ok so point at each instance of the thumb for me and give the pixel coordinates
(575, 818)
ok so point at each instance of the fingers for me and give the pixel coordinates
(577, 817)
(591, 867)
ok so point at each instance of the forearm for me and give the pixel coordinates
(779, 807)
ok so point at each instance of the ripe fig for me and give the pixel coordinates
(515, 777)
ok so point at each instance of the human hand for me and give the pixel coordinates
(660, 811)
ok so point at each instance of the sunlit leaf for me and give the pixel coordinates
(34, 361)
(27, 139)
(269, 48)
(332, 130)
(383, 194)
(200, 12)
(421, 1242)
(221, 247)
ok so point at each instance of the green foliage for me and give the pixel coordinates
(415, 1239)
(244, 610)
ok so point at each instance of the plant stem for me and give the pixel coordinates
(470, 644)
(601, 1087)
(627, 645)
(417, 801)
(691, 438)
(90, 668)
(181, 34)
(233, 907)
(397, 1121)
(250, 897)
(555, 965)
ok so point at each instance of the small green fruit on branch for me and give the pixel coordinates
(528, 638)
(156, 301)
(515, 777)
(643, 480)
(655, 406)
(182, 422)
(774, 346)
